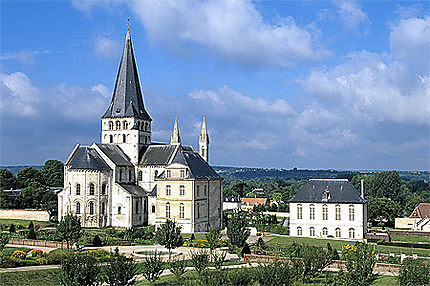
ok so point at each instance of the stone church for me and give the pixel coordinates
(128, 180)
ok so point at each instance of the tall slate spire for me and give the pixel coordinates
(127, 98)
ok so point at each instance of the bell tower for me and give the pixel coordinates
(204, 142)
(126, 122)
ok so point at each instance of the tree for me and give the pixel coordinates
(30, 225)
(97, 241)
(383, 210)
(213, 237)
(79, 270)
(169, 235)
(237, 230)
(120, 271)
(12, 228)
(69, 229)
(31, 234)
(5, 201)
(31, 196)
(49, 203)
(7, 180)
(28, 175)
(53, 173)
(152, 267)
(4, 239)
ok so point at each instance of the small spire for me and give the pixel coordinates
(175, 139)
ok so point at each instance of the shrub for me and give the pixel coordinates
(152, 267)
(4, 239)
(12, 228)
(19, 254)
(213, 278)
(200, 260)
(277, 273)
(178, 268)
(58, 255)
(30, 225)
(97, 241)
(245, 250)
(79, 270)
(218, 259)
(6, 261)
(239, 277)
(414, 272)
(36, 252)
(120, 271)
(42, 260)
(213, 237)
(193, 237)
(237, 230)
(31, 234)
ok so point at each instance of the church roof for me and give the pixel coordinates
(127, 98)
(87, 158)
(198, 167)
(133, 189)
(158, 155)
(329, 191)
(115, 153)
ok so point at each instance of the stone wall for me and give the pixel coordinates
(25, 214)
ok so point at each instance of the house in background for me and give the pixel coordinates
(248, 203)
(231, 204)
(329, 208)
(419, 220)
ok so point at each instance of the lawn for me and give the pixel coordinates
(386, 281)
(23, 222)
(338, 244)
(200, 235)
(46, 277)
(410, 238)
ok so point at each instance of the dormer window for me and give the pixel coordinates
(326, 195)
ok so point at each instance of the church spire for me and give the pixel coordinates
(204, 141)
(127, 98)
(175, 139)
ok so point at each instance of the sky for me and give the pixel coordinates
(283, 84)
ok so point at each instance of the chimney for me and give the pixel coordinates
(362, 189)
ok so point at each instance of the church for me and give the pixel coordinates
(127, 180)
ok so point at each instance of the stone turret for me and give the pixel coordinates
(204, 141)
(175, 138)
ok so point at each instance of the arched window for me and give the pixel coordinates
(198, 210)
(181, 210)
(198, 191)
(110, 138)
(351, 213)
(299, 211)
(118, 125)
(110, 125)
(153, 209)
(312, 231)
(299, 231)
(140, 175)
(167, 210)
(78, 189)
(103, 189)
(103, 208)
(124, 138)
(168, 190)
(78, 208)
(125, 124)
(311, 212)
(92, 189)
(181, 190)
(337, 232)
(351, 233)
(91, 208)
(325, 212)
(337, 212)
(325, 231)
(119, 210)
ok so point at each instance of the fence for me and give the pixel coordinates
(38, 243)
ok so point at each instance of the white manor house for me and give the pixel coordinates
(329, 208)
(128, 180)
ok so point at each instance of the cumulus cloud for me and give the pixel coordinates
(106, 47)
(350, 14)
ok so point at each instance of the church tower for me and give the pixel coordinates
(204, 142)
(175, 138)
(126, 122)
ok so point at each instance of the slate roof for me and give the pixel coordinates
(337, 191)
(133, 189)
(157, 155)
(198, 167)
(115, 153)
(87, 158)
(247, 201)
(153, 193)
(127, 98)
(421, 211)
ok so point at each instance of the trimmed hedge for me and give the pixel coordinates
(405, 244)
(273, 228)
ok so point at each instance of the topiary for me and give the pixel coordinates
(97, 241)
(12, 228)
(245, 250)
(30, 225)
(31, 234)
(192, 237)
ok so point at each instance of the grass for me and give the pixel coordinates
(338, 244)
(23, 222)
(45, 277)
(410, 238)
(200, 235)
(386, 281)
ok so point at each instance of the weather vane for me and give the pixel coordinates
(128, 23)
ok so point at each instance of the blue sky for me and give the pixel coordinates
(307, 84)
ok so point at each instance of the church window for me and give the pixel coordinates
(146, 126)
(311, 212)
(325, 212)
(124, 138)
(337, 232)
(125, 125)
(110, 125)
(140, 175)
(205, 191)
(337, 212)
(120, 175)
(299, 211)
(91, 208)
(168, 173)
(312, 231)
(78, 189)
(181, 190)
(181, 210)
(299, 231)
(198, 191)
(119, 210)
(168, 190)
(110, 138)
(167, 210)
(78, 208)
(198, 210)
(137, 206)
(118, 125)
(351, 233)
(351, 213)
(104, 189)
(325, 231)
(130, 178)
(103, 208)
(182, 174)
(153, 209)
(92, 188)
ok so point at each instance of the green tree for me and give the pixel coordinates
(79, 270)
(49, 203)
(277, 196)
(120, 271)
(7, 180)
(31, 196)
(53, 173)
(383, 210)
(28, 175)
(414, 272)
(213, 237)
(169, 235)
(69, 229)
(4, 239)
(237, 230)
(5, 201)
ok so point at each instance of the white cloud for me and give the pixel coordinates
(23, 57)
(351, 14)
(105, 47)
